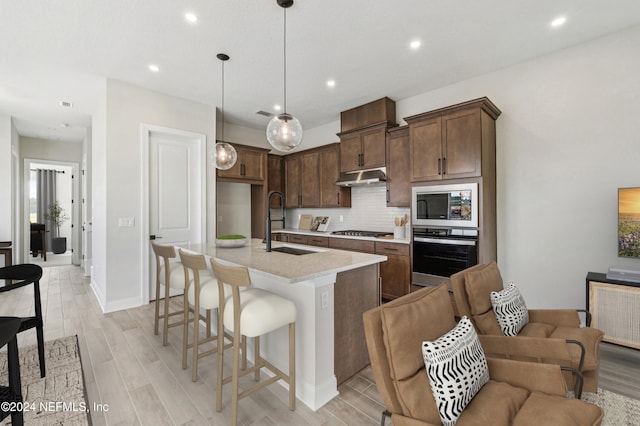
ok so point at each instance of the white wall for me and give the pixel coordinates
(5, 176)
(233, 208)
(127, 107)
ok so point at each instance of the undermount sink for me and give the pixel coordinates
(293, 250)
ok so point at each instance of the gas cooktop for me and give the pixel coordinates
(357, 233)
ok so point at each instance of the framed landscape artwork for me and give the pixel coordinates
(628, 222)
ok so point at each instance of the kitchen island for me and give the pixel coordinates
(331, 289)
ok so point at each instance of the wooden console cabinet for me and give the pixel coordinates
(615, 309)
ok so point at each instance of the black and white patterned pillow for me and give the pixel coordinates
(510, 309)
(457, 369)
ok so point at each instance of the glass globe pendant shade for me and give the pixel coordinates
(284, 132)
(223, 156)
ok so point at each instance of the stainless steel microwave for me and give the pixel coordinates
(454, 205)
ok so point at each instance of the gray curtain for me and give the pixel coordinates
(46, 194)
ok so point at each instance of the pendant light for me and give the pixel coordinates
(224, 155)
(284, 131)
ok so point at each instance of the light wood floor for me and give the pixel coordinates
(142, 382)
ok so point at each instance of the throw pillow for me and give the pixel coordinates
(457, 369)
(510, 309)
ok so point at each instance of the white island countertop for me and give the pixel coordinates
(286, 267)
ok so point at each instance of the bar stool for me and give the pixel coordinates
(166, 272)
(201, 293)
(20, 276)
(251, 313)
(9, 327)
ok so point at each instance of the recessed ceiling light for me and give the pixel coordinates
(331, 83)
(154, 68)
(558, 21)
(191, 17)
(277, 107)
(415, 44)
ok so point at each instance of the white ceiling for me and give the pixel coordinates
(63, 50)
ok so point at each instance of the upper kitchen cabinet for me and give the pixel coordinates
(332, 195)
(363, 149)
(363, 134)
(453, 142)
(398, 168)
(378, 111)
(302, 188)
(275, 178)
(251, 166)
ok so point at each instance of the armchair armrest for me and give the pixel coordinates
(557, 317)
(533, 376)
(532, 349)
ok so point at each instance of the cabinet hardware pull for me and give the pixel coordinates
(444, 166)
(390, 249)
(439, 166)
(338, 197)
(387, 195)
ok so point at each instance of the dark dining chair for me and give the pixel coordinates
(11, 394)
(23, 275)
(38, 244)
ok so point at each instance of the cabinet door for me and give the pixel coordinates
(298, 239)
(275, 178)
(462, 140)
(292, 181)
(426, 150)
(350, 150)
(309, 182)
(398, 170)
(395, 273)
(373, 148)
(252, 164)
(235, 171)
(332, 195)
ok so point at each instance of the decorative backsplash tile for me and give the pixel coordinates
(368, 211)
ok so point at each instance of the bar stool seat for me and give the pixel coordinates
(9, 328)
(251, 313)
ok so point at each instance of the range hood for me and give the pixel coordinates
(365, 177)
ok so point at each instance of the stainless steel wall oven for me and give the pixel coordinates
(440, 252)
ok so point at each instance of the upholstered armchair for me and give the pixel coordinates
(544, 329)
(516, 393)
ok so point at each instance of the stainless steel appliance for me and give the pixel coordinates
(454, 205)
(358, 233)
(440, 252)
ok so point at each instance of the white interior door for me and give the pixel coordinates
(175, 192)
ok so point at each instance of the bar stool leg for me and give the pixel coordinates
(185, 329)
(256, 357)
(157, 305)
(165, 329)
(235, 374)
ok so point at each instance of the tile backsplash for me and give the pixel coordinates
(368, 211)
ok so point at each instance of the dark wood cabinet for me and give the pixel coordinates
(395, 273)
(353, 245)
(332, 195)
(275, 178)
(398, 168)
(250, 167)
(363, 149)
(298, 239)
(453, 142)
(313, 240)
(378, 111)
(302, 188)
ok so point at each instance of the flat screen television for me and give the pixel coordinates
(628, 222)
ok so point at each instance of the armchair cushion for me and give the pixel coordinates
(543, 409)
(457, 369)
(479, 284)
(510, 309)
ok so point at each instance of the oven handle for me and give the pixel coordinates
(444, 241)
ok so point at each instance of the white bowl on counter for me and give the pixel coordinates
(231, 242)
